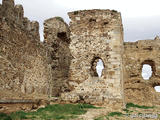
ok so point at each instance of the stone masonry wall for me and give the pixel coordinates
(136, 54)
(24, 61)
(65, 64)
(95, 34)
(57, 39)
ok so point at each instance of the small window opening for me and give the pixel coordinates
(146, 71)
(157, 88)
(99, 67)
(62, 35)
(92, 20)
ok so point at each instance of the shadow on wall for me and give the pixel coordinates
(57, 39)
(61, 60)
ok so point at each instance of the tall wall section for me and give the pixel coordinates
(24, 61)
(95, 34)
(57, 40)
(136, 54)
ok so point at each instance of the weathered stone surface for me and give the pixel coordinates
(65, 64)
(57, 39)
(136, 54)
(95, 34)
(13, 105)
(24, 63)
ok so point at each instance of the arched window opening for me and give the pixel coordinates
(63, 36)
(157, 88)
(97, 67)
(146, 71)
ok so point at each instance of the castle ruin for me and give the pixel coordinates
(64, 65)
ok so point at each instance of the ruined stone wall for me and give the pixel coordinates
(136, 54)
(65, 64)
(56, 38)
(24, 61)
(95, 34)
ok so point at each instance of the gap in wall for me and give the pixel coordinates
(99, 67)
(157, 88)
(146, 71)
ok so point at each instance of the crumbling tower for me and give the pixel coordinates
(56, 38)
(96, 34)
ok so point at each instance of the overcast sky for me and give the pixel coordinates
(141, 18)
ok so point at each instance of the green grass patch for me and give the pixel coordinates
(99, 118)
(4, 116)
(56, 112)
(127, 111)
(115, 114)
(119, 114)
(18, 115)
(129, 105)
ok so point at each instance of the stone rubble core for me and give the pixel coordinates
(64, 65)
